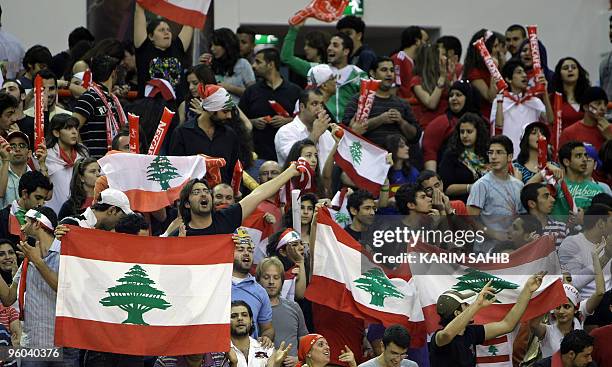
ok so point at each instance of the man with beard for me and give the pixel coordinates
(245, 288)
(246, 351)
(208, 133)
(287, 317)
(255, 101)
(390, 115)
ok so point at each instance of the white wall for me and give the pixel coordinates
(45, 22)
(567, 27)
(576, 28)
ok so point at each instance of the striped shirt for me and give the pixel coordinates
(93, 133)
(39, 323)
(558, 229)
(8, 315)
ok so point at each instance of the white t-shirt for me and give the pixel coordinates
(552, 340)
(516, 116)
(258, 355)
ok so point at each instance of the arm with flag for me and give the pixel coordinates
(190, 13)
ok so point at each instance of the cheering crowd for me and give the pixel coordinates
(529, 159)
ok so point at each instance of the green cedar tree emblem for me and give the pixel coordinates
(341, 218)
(229, 103)
(162, 171)
(475, 280)
(356, 153)
(135, 296)
(378, 285)
(493, 350)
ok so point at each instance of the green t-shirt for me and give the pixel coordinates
(582, 192)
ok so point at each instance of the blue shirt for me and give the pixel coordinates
(251, 292)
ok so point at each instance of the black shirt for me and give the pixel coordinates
(460, 352)
(93, 132)
(254, 103)
(189, 139)
(453, 172)
(224, 221)
(5, 231)
(151, 62)
(356, 235)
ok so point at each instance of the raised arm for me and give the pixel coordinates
(600, 286)
(287, 54)
(495, 329)
(140, 26)
(186, 35)
(264, 191)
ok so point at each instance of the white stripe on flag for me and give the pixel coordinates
(334, 260)
(368, 160)
(188, 289)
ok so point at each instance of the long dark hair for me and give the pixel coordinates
(392, 143)
(427, 66)
(473, 60)
(63, 121)
(296, 152)
(523, 155)
(582, 84)
(77, 191)
(204, 74)
(227, 39)
(244, 137)
(319, 41)
(455, 145)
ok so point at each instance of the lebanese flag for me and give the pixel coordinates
(259, 230)
(359, 287)
(365, 163)
(145, 290)
(14, 225)
(433, 279)
(150, 182)
(338, 209)
(187, 12)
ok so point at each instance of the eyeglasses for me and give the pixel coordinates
(20, 145)
(200, 191)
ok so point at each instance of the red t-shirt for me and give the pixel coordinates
(475, 74)
(601, 347)
(423, 114)
(438, 130)
(403, 73)
(569, 115)
(339, 329)
(581, 132)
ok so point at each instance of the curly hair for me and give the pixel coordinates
(455, 145)
(473, 60)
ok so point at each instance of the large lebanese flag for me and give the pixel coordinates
(359, 287)
(188, 12)
(365, 163)
(433, 279)
(149, 291)
(150, 182)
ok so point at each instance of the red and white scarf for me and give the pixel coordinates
(112, 125)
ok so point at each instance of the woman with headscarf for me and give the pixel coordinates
(314, 351)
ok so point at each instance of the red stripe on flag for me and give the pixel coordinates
(145, 340)
(320, 288)
(150, 201)
(493, 359)
(533, 251)
(175, 13)
(14, 226)
(117, 247)
(547, 300)
(324, 217)
(499, 340)
(359, 180)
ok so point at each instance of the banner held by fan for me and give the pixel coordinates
(324, 10)
(40, 102)
(500, 83)
(187, 12)
(557, 124)
(160, 133)
(532, 32)
(237, 178)
(134, 122)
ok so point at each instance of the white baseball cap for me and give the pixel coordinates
(319, 74)
(572, 294)
(116, 198)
